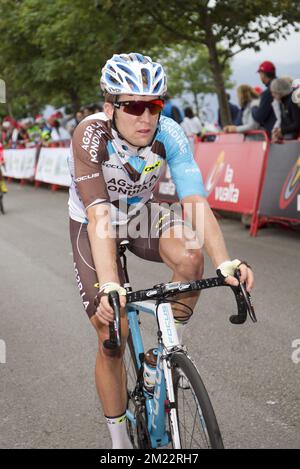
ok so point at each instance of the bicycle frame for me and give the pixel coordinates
(163, 392)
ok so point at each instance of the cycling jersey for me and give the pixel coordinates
(106, 169)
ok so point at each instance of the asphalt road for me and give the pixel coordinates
(47, 393)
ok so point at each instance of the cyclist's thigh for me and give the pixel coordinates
(86, 275)
(149, 226)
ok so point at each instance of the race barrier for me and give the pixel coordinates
(246, 174)
(46, 164)
(20, 163)
(280, 198)
(53, 168)
(232, 167)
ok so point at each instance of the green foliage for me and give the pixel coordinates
(52, 51)
(188, 70)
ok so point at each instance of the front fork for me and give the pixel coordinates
(163, 403)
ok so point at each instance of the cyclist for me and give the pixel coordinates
(116, 159)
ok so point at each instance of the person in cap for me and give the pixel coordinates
(264, 113)
(288, 123)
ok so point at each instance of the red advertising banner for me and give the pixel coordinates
(232, 169)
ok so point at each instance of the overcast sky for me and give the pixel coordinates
(283, 51)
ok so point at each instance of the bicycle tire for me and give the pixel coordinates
(138, 434)
(183, 368)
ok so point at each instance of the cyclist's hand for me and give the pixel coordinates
(105, 312)
(227, 269)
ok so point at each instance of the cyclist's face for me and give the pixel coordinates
(137, 130)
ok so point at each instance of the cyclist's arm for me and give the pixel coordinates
(103, 243)
(103, 247)
(89, 150)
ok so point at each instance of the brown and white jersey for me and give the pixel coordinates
(106, 169)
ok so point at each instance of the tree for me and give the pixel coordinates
(51, 52)
(224, 27)
(188, 71)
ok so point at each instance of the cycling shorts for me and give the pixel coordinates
(143, 233)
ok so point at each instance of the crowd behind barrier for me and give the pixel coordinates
(32, 131)
(250, 167)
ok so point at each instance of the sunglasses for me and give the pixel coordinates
(137, 108)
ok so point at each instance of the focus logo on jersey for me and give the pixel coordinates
(91, 140)
(89, 176)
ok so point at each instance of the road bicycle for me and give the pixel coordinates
(177, 412)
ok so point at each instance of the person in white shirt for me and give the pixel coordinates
(248, 98)
(191, 125)
(58, 132)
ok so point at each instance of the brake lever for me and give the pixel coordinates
(114, 341)
(242, 316)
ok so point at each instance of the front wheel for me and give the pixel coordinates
(197, 424)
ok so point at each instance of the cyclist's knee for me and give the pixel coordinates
(191, 263)
(103, 334)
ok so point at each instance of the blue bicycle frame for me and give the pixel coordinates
(155, 405)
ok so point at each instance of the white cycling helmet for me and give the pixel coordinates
(133, 74)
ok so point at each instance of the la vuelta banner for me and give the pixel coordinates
(281, 192)
(231, 170)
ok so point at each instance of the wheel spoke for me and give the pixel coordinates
(191, 398)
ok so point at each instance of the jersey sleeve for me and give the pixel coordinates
(185, 172)
(89, 150)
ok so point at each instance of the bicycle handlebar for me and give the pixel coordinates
(164, 291)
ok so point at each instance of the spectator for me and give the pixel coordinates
(247, 98)
(296, 97)
(171, 110)
(258, 90)
(191, 125)
(264, 113)
(57, 131)
(276, 104)
(44, 129)
(9, 132)
(234, 113)
(73, 122)
(87, 111)
(33, 130)
(78, 117)
(288, 79)
(288, 124)
(97, 108)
